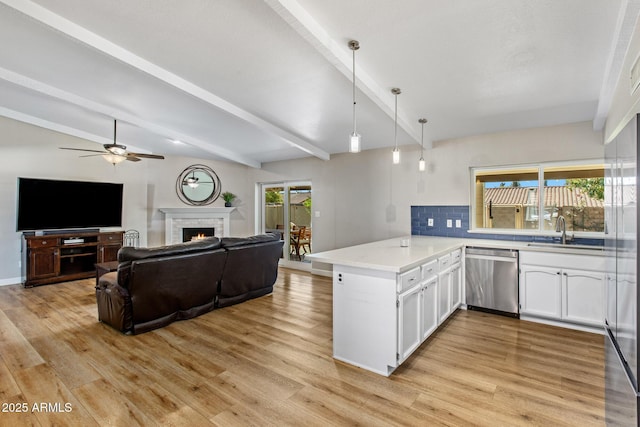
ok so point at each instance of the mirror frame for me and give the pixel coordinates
(181, 185)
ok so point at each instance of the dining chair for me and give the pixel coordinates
(296, 237)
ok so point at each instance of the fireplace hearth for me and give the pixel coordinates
(195, 233)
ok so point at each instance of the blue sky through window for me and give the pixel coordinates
(532, 183)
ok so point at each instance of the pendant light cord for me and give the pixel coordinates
(395, 128)
(354, 90)
(422, 141)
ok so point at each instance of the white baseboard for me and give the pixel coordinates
(569, 325)
(320, 272)
(11, 281)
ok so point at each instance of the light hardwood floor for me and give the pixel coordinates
(268, 362)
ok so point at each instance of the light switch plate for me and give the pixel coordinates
(430, 222)
(458, 223)
(449, 223)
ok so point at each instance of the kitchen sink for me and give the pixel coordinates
(566, 246)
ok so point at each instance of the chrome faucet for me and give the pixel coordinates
(561, 225)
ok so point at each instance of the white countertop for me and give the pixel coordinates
(388, 255)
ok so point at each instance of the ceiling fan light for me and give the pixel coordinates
(192, 182)
(114, 159)
(118, 150)
(354, 142)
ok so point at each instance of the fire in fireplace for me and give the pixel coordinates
(196, 233)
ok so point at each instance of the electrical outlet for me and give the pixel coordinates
(430, 222)
(449, 223)
(458, 223)
(317, 214)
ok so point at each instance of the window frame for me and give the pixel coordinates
(540, 166)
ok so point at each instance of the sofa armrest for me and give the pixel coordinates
(114, 303)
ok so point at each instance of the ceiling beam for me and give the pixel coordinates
(111, 113)
(339, 56)
(107, 47)
(625, 26)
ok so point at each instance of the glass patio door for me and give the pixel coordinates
(285, 209)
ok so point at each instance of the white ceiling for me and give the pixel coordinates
(256, 81)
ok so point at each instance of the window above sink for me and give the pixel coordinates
(528, 199)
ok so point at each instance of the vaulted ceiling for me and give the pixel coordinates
(255, 81)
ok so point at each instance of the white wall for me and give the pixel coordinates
(161, 193)
(624, 104)
(363, 197)
(30, 151)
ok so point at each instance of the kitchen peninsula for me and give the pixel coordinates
(388, 298)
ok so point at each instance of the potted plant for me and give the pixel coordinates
(228, 198)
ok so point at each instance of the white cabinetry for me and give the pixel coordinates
(565, 287)
(583, 296)
(417, 311)
(409, 313)
(444, 288)
(456, 280)
(429, 310)
(540, 291)
(381, 317)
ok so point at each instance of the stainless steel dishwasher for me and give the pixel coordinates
(492, 280)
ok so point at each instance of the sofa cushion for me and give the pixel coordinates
(131, 254)
(233, 242)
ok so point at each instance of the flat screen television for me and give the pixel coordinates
(47, 204)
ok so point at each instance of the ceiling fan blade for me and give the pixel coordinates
(92, 155)
(132, 158)
(81, 149)
(146, 156)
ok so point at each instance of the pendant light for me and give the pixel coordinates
(396, 153)
(421, 163)
(354, 138)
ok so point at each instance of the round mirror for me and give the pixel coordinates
(198, 185)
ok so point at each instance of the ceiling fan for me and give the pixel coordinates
(116, 153)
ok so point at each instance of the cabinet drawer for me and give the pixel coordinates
(429, 269)
(444, 262)
(45, 242)
(110, 237)
(456, 256)
(408, 279)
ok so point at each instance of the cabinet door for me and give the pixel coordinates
(108, 253)
(444, 295)
(43, 263)
(540, 291)
(456, 283)
(409, 334)
(583, 296)
(429, 307)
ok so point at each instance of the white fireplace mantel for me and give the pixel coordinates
(178, 218)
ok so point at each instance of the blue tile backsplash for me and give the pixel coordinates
(440, 214)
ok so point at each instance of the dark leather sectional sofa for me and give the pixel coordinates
(156, 286)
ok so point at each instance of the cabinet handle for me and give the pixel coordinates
(565, 274)
(558, 273)
(44, 242)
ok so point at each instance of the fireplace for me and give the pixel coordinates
(195, 233)
(175, 219)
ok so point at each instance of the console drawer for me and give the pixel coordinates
(44, 242)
